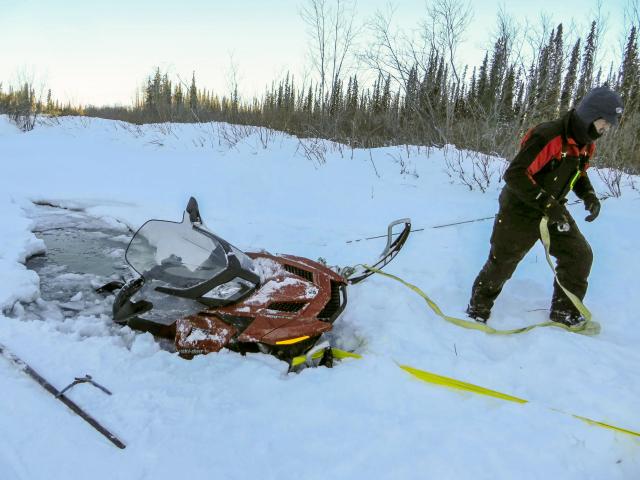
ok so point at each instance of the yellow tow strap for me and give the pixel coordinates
(337, 353)
(449, 382)
(588, 328)
(469, 387)
(590, 325)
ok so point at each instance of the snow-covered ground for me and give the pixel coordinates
(233, 417)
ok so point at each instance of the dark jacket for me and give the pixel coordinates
(553, 159)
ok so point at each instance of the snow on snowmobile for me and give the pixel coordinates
(197, 289)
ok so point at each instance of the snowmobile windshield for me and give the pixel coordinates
(176, 253)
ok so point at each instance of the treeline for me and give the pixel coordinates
(23, 105)
(485, 109)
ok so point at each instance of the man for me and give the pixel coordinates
(552, 160)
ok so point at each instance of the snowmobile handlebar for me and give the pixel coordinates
(407, 223)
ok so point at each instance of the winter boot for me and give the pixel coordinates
(478, 314)
(570, 319)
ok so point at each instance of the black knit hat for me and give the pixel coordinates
(600, 102)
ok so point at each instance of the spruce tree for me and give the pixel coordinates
(193, 94)
(556, 58)
(497, 73)
(506, 96)
(460, 107)
(49, 107)
(385, 100)
(532, 88)
(610, 81)
(570, 78)
(410, 100)
(472, 93)
(630, 72)
(308, 104)
(439, 85)
(376, 96)
(598, 79)
(335, 98)
(155, 88)
(482, 92)
(586, 72)
(353, 104)
(445, 90)
(544, 75)
(518, 107)
(179, 100)
(165, 90)
(148, 95)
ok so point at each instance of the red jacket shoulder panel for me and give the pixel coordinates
(553, 149)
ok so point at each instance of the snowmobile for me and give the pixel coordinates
(200, 291)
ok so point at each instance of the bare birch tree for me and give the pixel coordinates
(447, 20)
(388, 52)
(332, 33)
(396, 53)
(632, 12)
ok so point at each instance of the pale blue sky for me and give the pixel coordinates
(99, 51)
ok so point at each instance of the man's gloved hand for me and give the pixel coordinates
(556, 214)
(592, 205)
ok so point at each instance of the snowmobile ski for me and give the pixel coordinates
(22, 365)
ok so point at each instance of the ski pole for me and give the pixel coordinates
(86, 379)
(22, 365)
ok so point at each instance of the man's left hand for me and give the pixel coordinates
(592, 204)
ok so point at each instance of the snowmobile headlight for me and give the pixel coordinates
(291, 341)
(227, 290)
(224, 291)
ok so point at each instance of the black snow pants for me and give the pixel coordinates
(515, 231)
